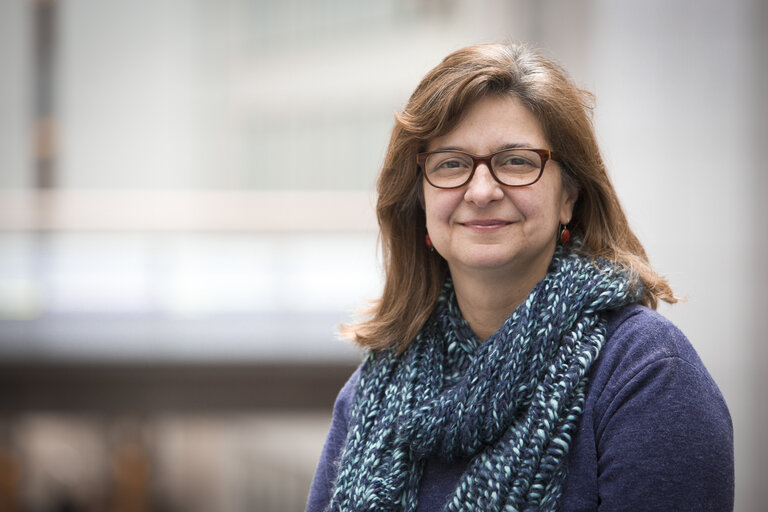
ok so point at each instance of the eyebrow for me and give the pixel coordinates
(502, 147)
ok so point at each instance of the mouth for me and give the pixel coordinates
(486, 224)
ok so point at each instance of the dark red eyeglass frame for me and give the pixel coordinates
(544, 154)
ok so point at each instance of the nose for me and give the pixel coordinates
(483, 189)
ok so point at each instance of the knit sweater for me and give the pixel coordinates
(655, 434)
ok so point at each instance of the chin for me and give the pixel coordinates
(487, 260)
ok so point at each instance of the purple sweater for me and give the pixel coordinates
(655, 435)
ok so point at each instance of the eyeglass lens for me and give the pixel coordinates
(516, 167)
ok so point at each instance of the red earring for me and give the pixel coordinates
(428, 241)
(565, 235)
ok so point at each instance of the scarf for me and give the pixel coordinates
(511, 404)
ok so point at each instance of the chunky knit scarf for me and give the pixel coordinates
(511, 403)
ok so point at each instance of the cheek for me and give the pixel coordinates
(430, 215)
(527, 201)
(438, 208)
(536, 205)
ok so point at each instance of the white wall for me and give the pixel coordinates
(675, 84)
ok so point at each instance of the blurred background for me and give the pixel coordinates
(186, 215)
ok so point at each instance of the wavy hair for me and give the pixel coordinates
(413, 274)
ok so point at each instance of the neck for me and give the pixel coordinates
(487, 299)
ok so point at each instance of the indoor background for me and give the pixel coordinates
(186, 215)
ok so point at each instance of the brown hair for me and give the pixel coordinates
(413, 274)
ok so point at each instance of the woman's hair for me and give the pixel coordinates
(413, 274)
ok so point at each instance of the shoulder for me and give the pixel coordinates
(653, 409)
(643, 335)
(340, 420)
(327, 466)
(644, 351)
(346, 397)
(639, 344)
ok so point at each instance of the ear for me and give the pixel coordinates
(568, 198)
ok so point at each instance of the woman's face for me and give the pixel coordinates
(486, 225)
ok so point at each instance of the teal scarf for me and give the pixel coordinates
(511, 404)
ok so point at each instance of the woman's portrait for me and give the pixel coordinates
(391, 255)
(514, 359)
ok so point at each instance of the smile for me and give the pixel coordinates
(486, 224)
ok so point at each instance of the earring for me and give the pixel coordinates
(565, 235)
(428, 241)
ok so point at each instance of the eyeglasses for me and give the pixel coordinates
(447, 168)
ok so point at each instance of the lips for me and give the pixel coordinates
(486, 224)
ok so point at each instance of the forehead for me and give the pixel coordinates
(492, 123)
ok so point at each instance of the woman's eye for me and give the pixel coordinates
(451, 164)
(516, 160)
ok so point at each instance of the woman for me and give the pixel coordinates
(515, 361)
